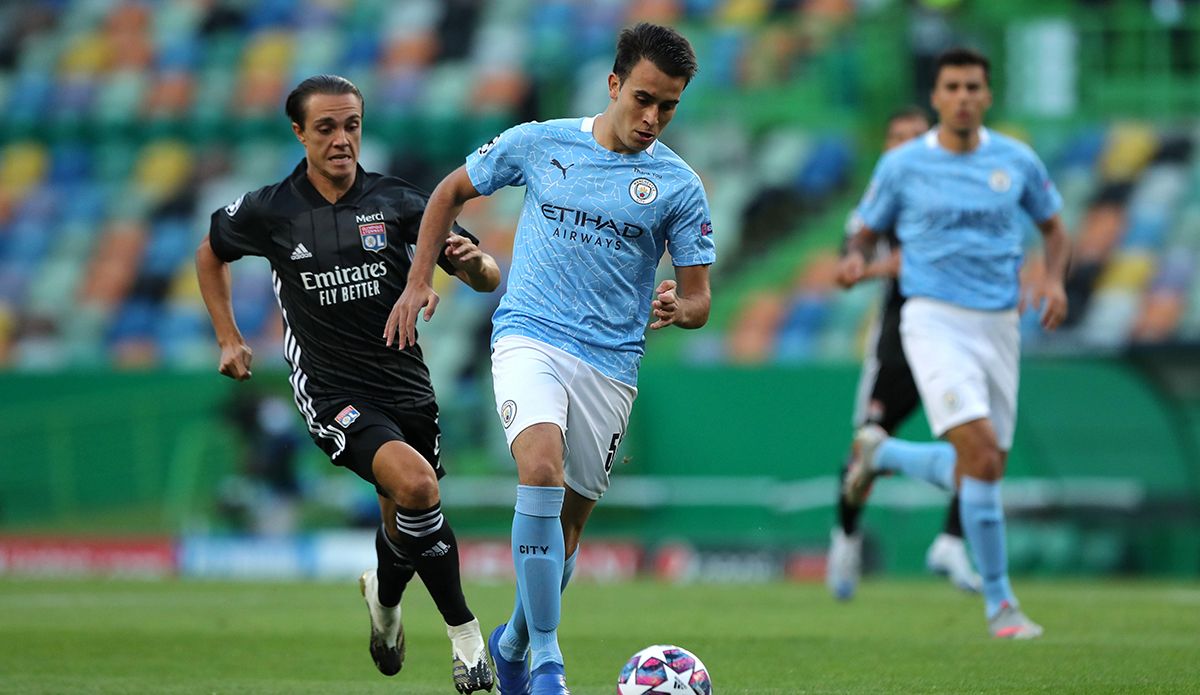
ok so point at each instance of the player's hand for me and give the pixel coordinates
(665, 307)
(235, 361)
(1051, 298)
(402, 320)
(464, 254)
(851, 269)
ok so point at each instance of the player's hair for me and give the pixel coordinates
(962, 57)
(317, 84)
(663, 46)
(906, 112)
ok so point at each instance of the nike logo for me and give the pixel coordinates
(558, 164)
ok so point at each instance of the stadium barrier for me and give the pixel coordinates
(1102, 478)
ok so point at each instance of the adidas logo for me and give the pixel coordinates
(437, 550)
(300, 252)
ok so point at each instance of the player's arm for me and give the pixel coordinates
(1051, 295)
(215, 281)
(474, 267)
(853, 266)
(684, 301)
(443, 207)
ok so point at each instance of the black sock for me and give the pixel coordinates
(848, 515)
(953, 519)
(394, 569)
(429, 541)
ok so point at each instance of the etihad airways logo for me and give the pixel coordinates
(345, 284)
(579, 218)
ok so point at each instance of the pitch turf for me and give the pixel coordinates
(896, 636)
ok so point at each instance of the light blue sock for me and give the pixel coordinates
(537, 548)
(514, 641)
(983, 524)
(929, 461)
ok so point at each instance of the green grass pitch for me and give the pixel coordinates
(917, 636)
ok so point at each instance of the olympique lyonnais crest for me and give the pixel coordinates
(374, 236)
(347, 417)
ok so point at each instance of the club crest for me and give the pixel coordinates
(999, 181)
(508, 413)
(643, 191)
(374, 236)
(347, 417)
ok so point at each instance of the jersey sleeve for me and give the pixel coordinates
(880, 204)
(1040, 198)
(690, 234)
(500, 162)
(236, 230)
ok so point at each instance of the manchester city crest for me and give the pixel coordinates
(999, 181)
(643, 191)
(508, 412)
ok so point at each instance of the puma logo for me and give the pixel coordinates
(558, 164)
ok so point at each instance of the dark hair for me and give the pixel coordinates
(317, 84)
(961, 57)
(663, 46)
(906, 112)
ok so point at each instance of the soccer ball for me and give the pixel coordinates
(664, 668)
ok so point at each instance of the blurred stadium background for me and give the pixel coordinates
(127, 122)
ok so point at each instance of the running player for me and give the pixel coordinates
(604, 199)
(886, 396)
(338, 239)
(958, 198)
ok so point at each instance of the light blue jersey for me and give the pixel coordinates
(594, 226)
(958, 216)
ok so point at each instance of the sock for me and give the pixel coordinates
(428, 539)
(848, 515)
(394, 569)
(537, 549)
(514, 641)
(929, 461)
(983, 521)
(953, 525)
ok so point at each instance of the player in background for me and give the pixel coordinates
(958, 198)
(338, 240)
(604, 199)
(886, 396)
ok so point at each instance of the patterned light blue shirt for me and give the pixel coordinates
(958, 216)
(594, 226)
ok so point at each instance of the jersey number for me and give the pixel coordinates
(612, 452)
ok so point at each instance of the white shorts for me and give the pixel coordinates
(535, 383)
(965, 364)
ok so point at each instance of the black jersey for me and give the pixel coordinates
(337, 269)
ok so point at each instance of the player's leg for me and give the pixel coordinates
(982, 467)
(427, 538)
(382, 588)
(532, 403)
(537, 543)
(575, 512)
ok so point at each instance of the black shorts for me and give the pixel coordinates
(894, 387)
(351, 430)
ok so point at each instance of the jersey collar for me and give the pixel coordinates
(589, 122)
(931, 140)
(299, 180)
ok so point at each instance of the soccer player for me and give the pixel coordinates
(886, 396)
(603, 200)
(338, 240)
(955, 197)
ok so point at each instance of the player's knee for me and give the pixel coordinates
(415, 489)
(983, 462)
(540, 472)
